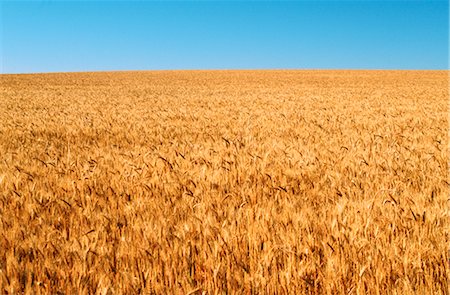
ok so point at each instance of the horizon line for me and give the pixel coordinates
(222, 69)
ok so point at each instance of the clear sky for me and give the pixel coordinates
(54, 36)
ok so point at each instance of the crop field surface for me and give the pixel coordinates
(225, 182)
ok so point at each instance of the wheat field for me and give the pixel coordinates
(225, 182)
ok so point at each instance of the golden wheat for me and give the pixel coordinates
(211, 182)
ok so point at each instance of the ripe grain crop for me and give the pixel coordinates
(224, 182)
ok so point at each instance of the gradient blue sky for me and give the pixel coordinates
(49, 36)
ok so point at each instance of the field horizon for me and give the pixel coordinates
(225, 181)
(231, 70)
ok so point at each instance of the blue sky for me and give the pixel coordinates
(60, 36)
